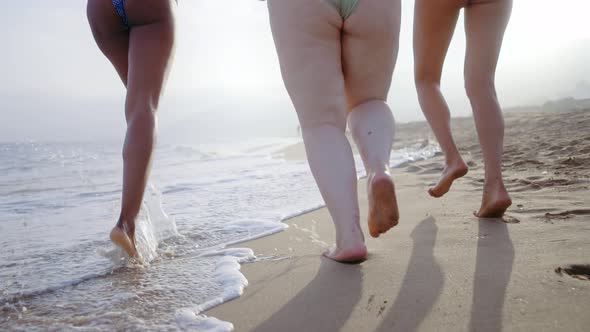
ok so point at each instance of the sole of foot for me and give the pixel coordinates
(122, 240)
(354, 254)
(450, 174)
(383, 210)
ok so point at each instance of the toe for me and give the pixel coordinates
(374, 232)
(433, 193)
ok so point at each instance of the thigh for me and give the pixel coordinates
(370, 43)
(111, 36)
(434, 24)
(151, 46)
(485, 24)
(307, 38)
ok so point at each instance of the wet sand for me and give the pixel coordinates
(441, 268)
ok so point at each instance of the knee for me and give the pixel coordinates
(140, 106)
(480, 87)
(140, 135)
(372, 112)
(425, 80)
(373, 106)
(140, 115)
(328, 114)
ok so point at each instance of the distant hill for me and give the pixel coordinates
(529, 108)
(559, 105)
(567, 104)
(582, 90)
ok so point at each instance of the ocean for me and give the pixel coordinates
(58, 202)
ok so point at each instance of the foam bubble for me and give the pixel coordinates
(227, 273)
(189, 321)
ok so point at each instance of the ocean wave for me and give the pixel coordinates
(219, 200)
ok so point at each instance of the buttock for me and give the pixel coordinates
(120, 8)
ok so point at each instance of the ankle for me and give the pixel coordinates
(454, 160)
(126, 224)
(349, 235)
(379, 171)
(494, 183)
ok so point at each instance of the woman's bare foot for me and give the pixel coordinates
(350, 246)
(352, 254)
(451, 172)
(121, 239)
(383, 211)
(495, 201)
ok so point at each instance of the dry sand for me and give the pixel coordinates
(442, 269)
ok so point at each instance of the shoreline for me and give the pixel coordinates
(480, 273)
(282, 225)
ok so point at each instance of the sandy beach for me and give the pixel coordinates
(441, 268)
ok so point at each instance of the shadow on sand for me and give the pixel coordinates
(422, 284)
(424, 281)
(325, 304)
(493, 267)
(339, 287)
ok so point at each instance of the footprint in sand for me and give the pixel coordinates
(575, 161)
(567, 214)
(510, 219)
(413, 169)
(581, 272)
(526, 162)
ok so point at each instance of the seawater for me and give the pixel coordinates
(58, 201)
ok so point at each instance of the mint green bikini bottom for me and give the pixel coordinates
(344, 7)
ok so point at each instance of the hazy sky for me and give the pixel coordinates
(56, 85)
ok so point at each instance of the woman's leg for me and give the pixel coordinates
(307, 37)
(150, 48)
(370, 45)
(485, 23)
(434, 23)
(110, 34)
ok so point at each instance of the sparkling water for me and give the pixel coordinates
(58, 202)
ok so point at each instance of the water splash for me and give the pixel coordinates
(152, 227)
